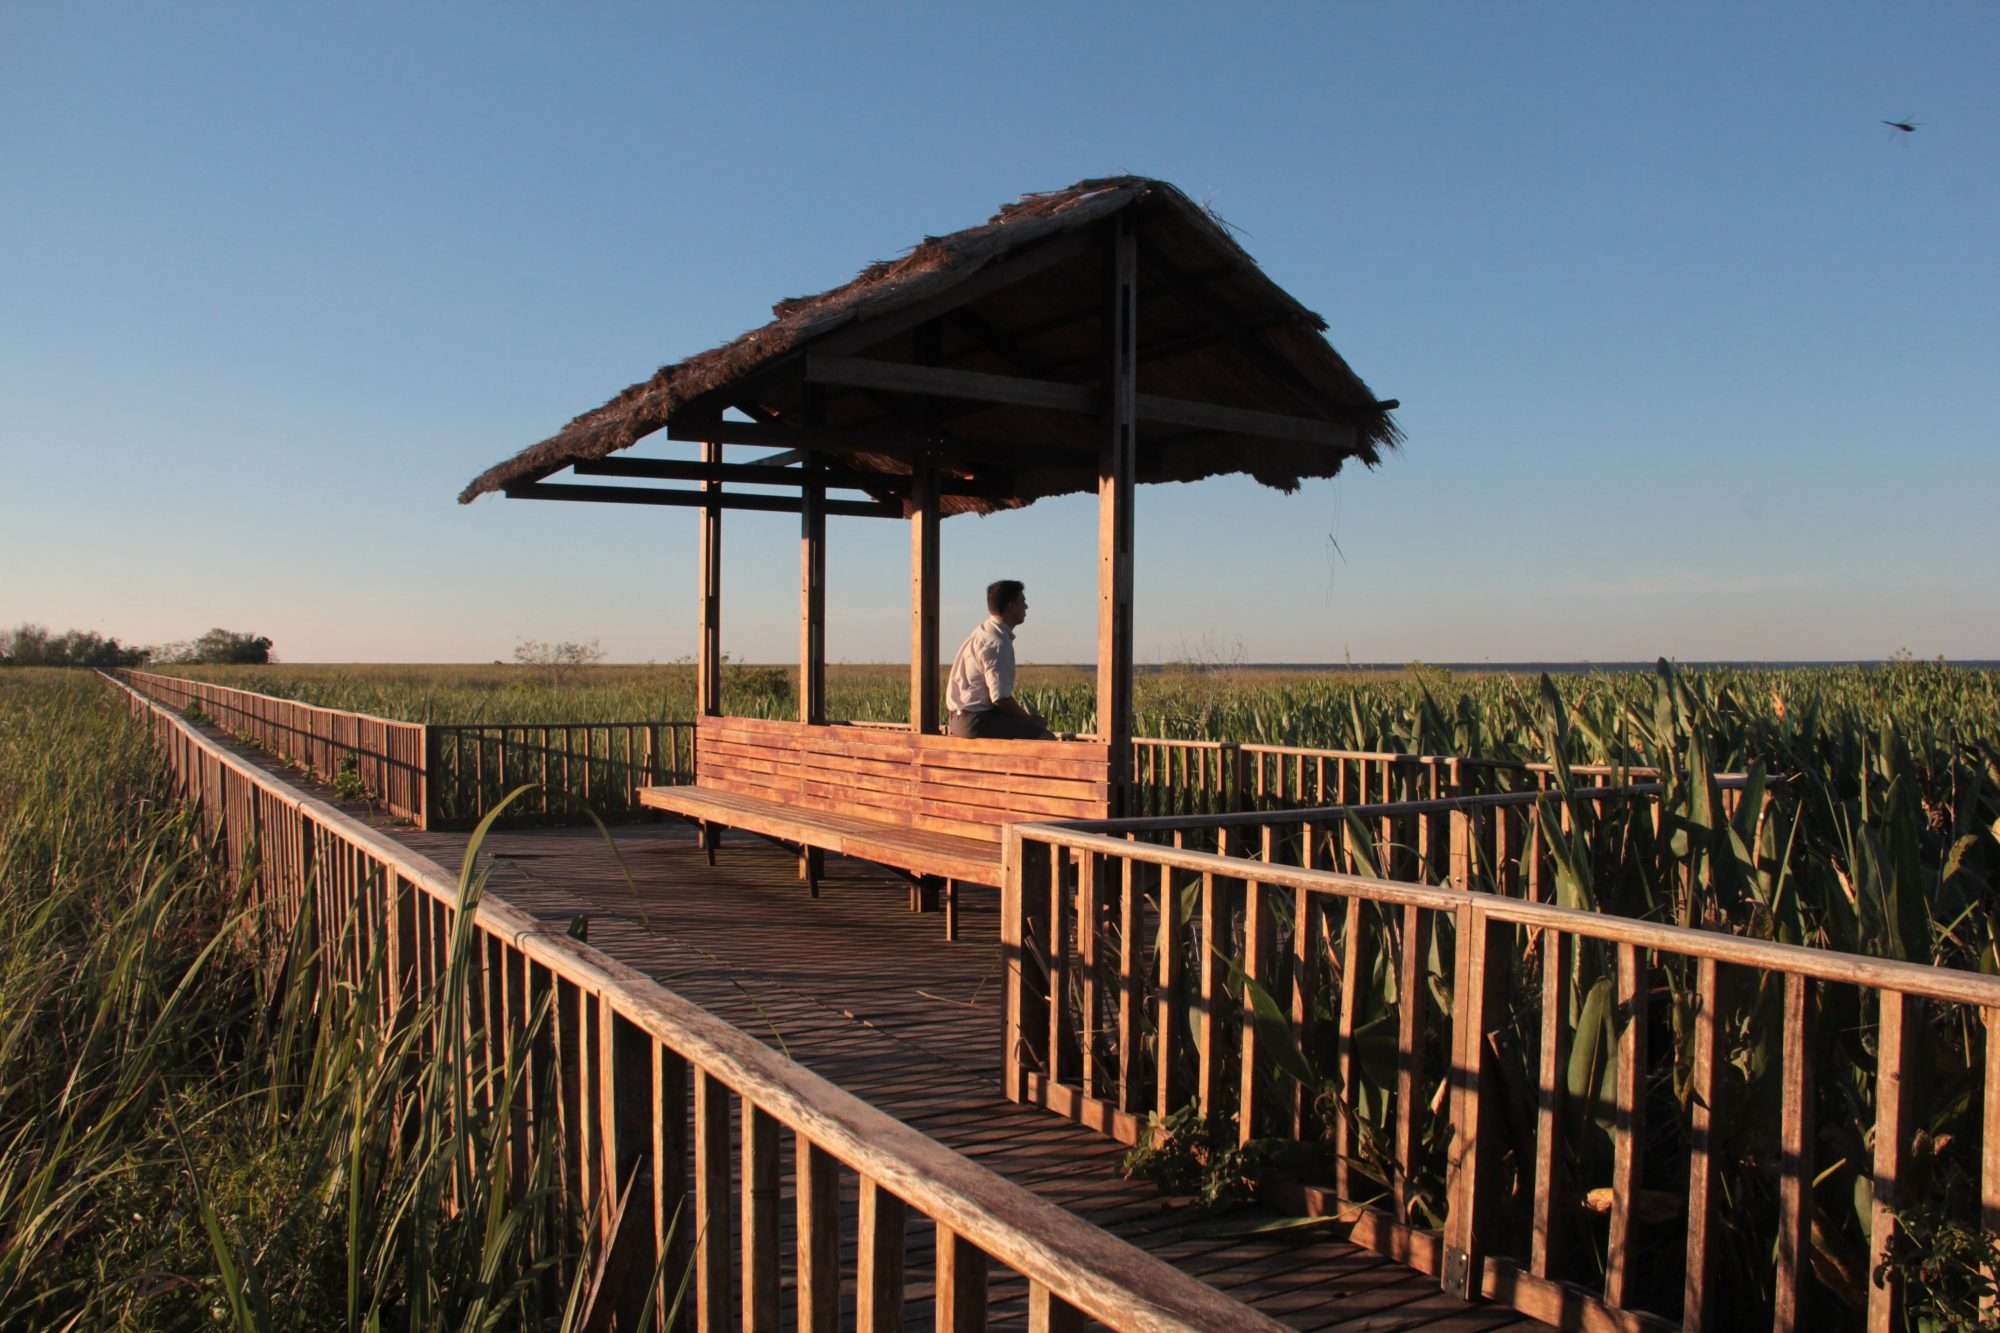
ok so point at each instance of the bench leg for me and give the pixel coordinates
(711, 838)
(812, 864)
(951, 910)
(924, 893)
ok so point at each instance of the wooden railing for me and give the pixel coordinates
(1177, 777)
(390, 759)
(571, 766)
(1512, 842)
(649, 1088)
(1425, 1039)
(449, 776)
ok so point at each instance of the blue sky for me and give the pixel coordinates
(1695, 354)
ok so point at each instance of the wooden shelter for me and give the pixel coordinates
(1091, 338)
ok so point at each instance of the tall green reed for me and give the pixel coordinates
(198, 1125)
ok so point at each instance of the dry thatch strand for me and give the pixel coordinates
(1213, 329)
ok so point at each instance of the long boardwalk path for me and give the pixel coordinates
(871, 996)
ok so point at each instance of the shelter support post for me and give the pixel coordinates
(927, 346)
(812, 625)
(1116, 470)
(812, 600)
(708, 654)
(924, 600)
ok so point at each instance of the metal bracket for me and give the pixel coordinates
(1456, 1279)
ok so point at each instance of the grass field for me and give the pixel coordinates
(192, 1134)
(1417, 710)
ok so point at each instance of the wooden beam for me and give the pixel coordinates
(635, 495)
(1244, 421)
(739, 474)
(1053, 395)
(783, 458)
(1117, 471)
(793, 438)
(708, 656)
(1004, 347)
(990, 486)
(900, 377)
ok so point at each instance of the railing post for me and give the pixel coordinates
(427, 780)
(1460, 875)
(627, 1109)
(1989, 1169)
(1258, 945)
(1170, 1020)
(1628, 1124)
(961, 1284)
(1023, 916)
(879, 1261)
(759, 1219)
(1795, 1131)
(1209, 979)
(1050, 1313)
(1896, 1035)
(673, 1220)
(711, 1203)
(817, 1180)
(1480, 975)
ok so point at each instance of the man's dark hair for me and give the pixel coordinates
(999, 593)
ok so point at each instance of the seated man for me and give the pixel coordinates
(980, 692)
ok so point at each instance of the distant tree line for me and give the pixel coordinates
(36, 645)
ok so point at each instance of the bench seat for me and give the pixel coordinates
(933, 807)
(916, 851)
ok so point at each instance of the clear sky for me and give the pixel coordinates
(1696, 356)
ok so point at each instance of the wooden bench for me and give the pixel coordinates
(932, 807)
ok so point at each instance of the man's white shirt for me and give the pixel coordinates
(983, 672)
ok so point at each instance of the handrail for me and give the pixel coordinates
(391, 758)
(1070, 1264)
(1083, 905)
(445, 775)
(1374, 810)
(1936, 983)
(191, 683)
(1172, 777)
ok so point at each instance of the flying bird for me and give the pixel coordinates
(1906, 126)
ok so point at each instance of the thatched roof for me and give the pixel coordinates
(1211, 328)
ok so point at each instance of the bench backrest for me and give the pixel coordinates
(941, 783)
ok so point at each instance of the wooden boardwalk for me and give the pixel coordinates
(868, 994)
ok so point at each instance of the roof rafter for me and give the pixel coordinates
(642, 495)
